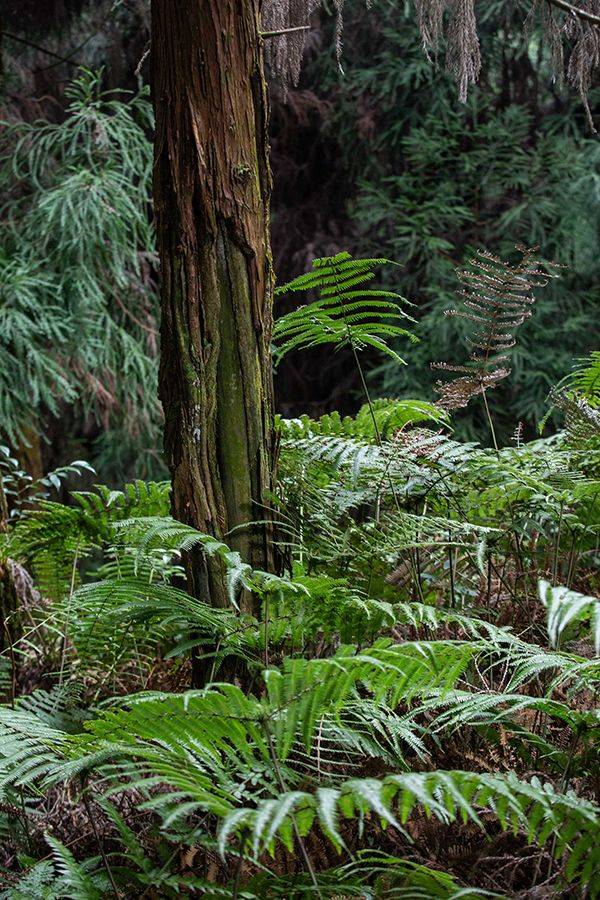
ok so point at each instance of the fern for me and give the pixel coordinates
(497, 301)
(22, 491)
(565, 608)
(345, 313)
(74, 879)
(370, 870)
(531, 807)
(390, 416)
(585, 378)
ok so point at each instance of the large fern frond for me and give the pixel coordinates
(535, 809)
(345, 313)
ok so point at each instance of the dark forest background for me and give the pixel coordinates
(381, 159)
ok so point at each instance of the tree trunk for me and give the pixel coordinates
(211, 195)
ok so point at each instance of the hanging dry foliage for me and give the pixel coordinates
(585, 55)
(284, 51)
(463, 57)
(455, 22)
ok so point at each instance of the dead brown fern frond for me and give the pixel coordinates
(498, 298)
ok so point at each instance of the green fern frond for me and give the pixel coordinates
(530, 807)
(74, 879)
(565, 608)
(129, 616)
(345, 311)
(390, 415)
(371, 873)
(585, 378)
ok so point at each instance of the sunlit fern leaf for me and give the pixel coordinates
(565, 608)
(50, 539)
(534, 809)
(585, 378)
(345, 312)
(575, 673)
(461, 708)
(390, 416)
(422, 615)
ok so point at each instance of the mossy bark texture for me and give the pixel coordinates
(211, 198)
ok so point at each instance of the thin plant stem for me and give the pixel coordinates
(69, 602)
(105, 862)
(283, 786)
(238, 869)
(490, 421)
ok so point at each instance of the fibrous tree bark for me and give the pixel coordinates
(211, 197)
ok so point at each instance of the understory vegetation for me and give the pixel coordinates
(413, 710)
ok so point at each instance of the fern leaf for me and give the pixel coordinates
(343, 314)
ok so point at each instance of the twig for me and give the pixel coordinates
(13, 665)
(66, 634)
(284, 788)
(86, 804)
(121, 305)
(143, 58)
(490, 422)
(238, 869)
(20, 40)
(71, 54)
(576, 11)
(274, 34)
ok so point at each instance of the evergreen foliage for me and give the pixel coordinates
(81, 328)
